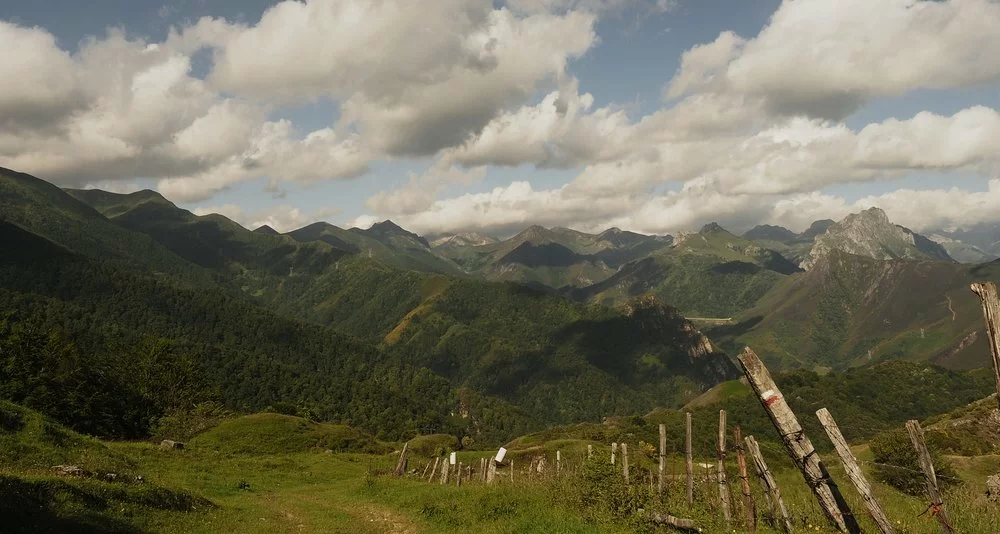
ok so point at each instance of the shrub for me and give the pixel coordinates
(896, 463)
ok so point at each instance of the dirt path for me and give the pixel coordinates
(952, 310)
(388, 521)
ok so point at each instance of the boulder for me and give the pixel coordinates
(169, 445)
(70, 471)
(993, 487)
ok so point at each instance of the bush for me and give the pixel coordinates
(896, 463)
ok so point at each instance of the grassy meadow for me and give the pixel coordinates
(269, 473)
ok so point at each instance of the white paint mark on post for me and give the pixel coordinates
(452, 459)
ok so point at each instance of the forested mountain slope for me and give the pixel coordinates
(350, 339)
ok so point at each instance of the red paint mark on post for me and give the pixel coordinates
(770, 397)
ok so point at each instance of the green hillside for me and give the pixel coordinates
(712, 273)
(423, 352)
(850, 310)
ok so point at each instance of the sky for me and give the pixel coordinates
(656, 116)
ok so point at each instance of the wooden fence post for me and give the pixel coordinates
(427, 468)
(663, 457)
(927, 466)
(590, 451)
(625, 461)
(689, 460)
(614, 452)
(751, 508)
(401, 462)
(445, 471)
(854, 471)
(436, 460)
(558, 461)
(798, 444)
(458, 477)
(987, 292)
(721, 474)
(770, 486)
(511, 470)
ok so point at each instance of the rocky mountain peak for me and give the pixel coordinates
(871, 234)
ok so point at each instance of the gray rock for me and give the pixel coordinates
(169, 445)
(993, 487)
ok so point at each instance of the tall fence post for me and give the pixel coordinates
(663, 457)
(798, 444)
(854, 471)
(689, 459)
(625, 461)
(751, 508)
(927, 466)
(401, 463)
(770, 486)
(721, 471)
(987, 292)
(614, 452)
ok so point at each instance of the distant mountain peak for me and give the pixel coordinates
(712, 228)
(267, 230)
(817, 228)
(389, 228)
(462, 239)
(871, 234)
(770, 233)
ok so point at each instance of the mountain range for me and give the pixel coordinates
(469, 333)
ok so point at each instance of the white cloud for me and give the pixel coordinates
(827, 58)
(420, 191)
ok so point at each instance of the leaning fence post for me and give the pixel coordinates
(987, 292)
(436, 460)
(798, 444)
(401, 462)
(625, 461)
(689, 465)
(927, 466)
(751, 508)
(721, 475)
(853, 470)
(770, 486)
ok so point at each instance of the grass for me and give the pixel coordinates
(272, 473)
(272, 433)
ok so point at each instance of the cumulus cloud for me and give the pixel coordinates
(420, 191)
(827, 58)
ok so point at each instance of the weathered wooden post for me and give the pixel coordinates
(663, 458)
(558, 461)
(436, 460)
(458, 477)
(511, 470)
(401, 462)
(445, 471)
(689, 460)
(625, 461)
(798, 444)
(482, 469)
(614, 452)
(590, 451)
(721, 474)
(987, 292)
(770, 486)
(927, 466)
(854, 471)
(426, 468)
(751, 508)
